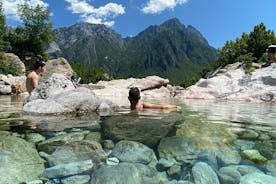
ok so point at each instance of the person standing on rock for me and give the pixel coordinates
(134, 98)
(271, 52)
(33, 77)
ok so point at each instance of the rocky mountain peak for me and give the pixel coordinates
(168, 50)
(174, 22)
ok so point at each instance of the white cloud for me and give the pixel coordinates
(157, 6)
(102, 15)
(10, 7)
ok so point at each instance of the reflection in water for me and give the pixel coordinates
(62, 122)
(11, 103)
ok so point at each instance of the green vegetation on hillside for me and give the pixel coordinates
(89, 74)
(170, 50)
(248, 49)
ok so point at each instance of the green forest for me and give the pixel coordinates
(36, 31)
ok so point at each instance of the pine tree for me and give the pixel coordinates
(3, 29)
(37, 30)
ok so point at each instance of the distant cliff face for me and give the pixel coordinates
(169, 50)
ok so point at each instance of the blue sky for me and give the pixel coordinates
(217, 20)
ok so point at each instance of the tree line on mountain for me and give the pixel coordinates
(37, 31)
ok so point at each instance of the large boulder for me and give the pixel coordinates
(19, 160)
(233, 83)
(59, 66)
(120, 88)
(50, 87)
(79, 100)
(57, 95)
(14, 62)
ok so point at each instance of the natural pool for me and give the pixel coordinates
(205, 142)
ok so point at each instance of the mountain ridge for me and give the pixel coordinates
(169, 50)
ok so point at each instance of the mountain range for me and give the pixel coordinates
(170, 50)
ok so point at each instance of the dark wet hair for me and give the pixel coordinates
(134, 93)
(38, 64)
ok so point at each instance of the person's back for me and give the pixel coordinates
(32, 81)
(33, 77)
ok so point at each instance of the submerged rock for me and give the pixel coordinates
(147, 130)
(233, 173)
(68, 169)
(19, 160)
(228, 157)
(178, 149)
(126, 173)
(51, 144)
(135, 152)
(271, 167)
(77, 151)
(253, 155)
(77, 179)
(255, 178)
(204, 174)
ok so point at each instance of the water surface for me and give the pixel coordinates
(211, 125)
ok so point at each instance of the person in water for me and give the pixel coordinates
(33, 77)
(134, 98)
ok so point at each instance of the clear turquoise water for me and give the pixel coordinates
(212, 125)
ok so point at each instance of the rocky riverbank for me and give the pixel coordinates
(232, 83)
(228, 83)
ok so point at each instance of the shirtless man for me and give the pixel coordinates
(134, 97)
(33, 77)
